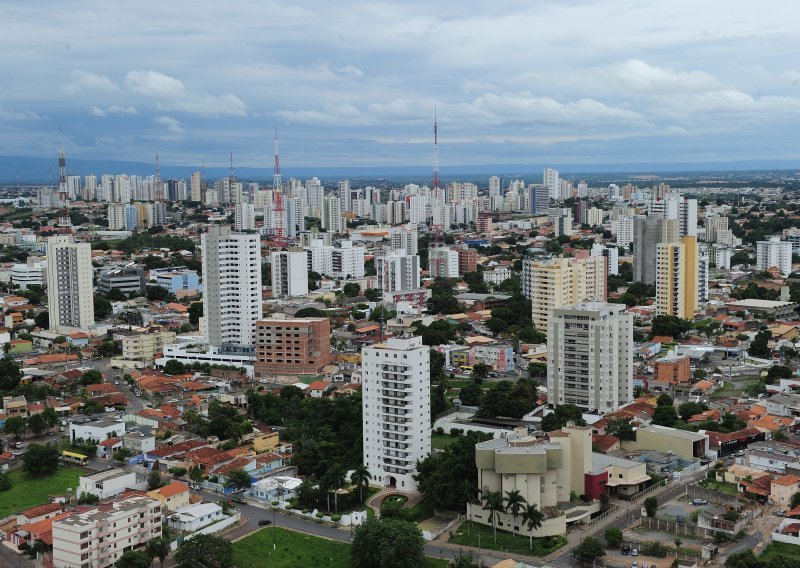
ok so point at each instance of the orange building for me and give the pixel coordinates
(467, 260)
(673, 370)
(292, 346)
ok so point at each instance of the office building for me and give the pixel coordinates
(129, 279)
(244, 217)
(443, 263)
(232, 281)
(396, 416)
(557, 282)
(677, 278)
(550, 181)
(397, 271)
(289, 274)
(292, 346)
(774, 253)
(331, 215)
(177, 280)
(648, 232)
(590, 356)
(70, 290)
(98, 537)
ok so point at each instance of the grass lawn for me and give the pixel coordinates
(421, 511)
(778, 550)
(296, 550)
(441, 441)
(721, 486)
(506, 542)
(27, 492)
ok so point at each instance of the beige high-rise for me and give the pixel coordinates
(70, 291)
(677, 278)
(558, 282)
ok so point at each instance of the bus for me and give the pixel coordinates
(72, 457)
(466, 368)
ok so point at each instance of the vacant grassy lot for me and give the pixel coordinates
(469, 532)
(27, 491)
(295, 550)
(441, 441)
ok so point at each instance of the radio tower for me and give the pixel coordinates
(64, 220)
(158, 191)
(436, 238)
(278, 212)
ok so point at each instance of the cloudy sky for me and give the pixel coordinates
(354, 83)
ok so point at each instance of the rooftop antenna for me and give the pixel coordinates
(276, 173)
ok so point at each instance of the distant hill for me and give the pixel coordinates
(20, 169)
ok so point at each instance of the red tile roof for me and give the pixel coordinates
(41, 510)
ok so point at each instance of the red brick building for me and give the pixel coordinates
(292, 346)
(467, 260)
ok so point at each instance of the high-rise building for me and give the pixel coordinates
(648, 232)
(292, 345)
(417, 214)
(494, 186)
(405, 238)
(611, 253)
(774, 253)
(244, 217)
(397, 271)
(539, 199)
(467, 260)
(623, 227)
(558, 282)
(289, 273)
(590, 356)
(561, 219)
(347, 261)
(714, 225)
(443, 263)
(195, 190)
(232, 281)
(331, 214)
(550, 181)
(396, 417)
(116, 217)
(683, 210)
(677, 278)
(70, 291)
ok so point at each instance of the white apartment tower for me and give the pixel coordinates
(244, 217)
(590, 356)
(195, 192)
(550, 180)
(331, 214)
(232, 279)
(443, 263)
(289, 274)
(774, 252)
(396, 403)
(70, 291)
(397, 271)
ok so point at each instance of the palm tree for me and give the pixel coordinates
(533, 518)
(493, 503)
(515, 504)
(158, 548)
(678, 543)
(360, 477)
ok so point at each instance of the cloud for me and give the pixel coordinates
(19, 115)
(113, 109)
(639, 76)
(352, 70)
(174, 127)
(154, 84)
(86, 81)
(208, 105)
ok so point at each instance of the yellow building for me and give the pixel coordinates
(266, 441)
(559, 282)
(172, 496)
(144, 346)
(677, 278)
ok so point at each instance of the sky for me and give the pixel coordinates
(357, 83)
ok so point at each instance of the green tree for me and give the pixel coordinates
(116, 295)
(759, 346)
(394, 509)
(102, 307)
(40, 460)
(360, 477)
(16, 426)
(372, 294)
(665, 416)
(205, 550)
(134, 558)
(470, 394)
(196, 474)
(91, 377)
(462, 560)
(493, 504)
(239, 479)
(514, 504)
(195, 313)
(154, 480)
(613, 537)
(744, 559)
(665, 400)
(42, 320)
(561, 415)
(158, 548)
(533, 518)
(10, 375)
(621, 428)
(5, 482)
(537, 371)
(174, 367)
(778, 372)
(37, 424)
(651, 506)
(387, 543)
(689, 409)
(590, 549)
(351, 290)
(88, 498)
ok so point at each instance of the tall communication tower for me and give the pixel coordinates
(277, 188)
(62, 170)
(436, 238)
(158, 190)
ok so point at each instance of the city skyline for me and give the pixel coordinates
(585, 82)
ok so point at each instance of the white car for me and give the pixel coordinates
(173, 401)
(634, 552)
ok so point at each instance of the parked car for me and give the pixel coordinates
(264, 522)
(699, 502)
(780, 513)
(173, 401)
(634, 552)
(19, 445)
(626, 549)
(681, 519)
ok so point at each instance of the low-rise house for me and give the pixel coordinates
(39, 513)
(105, 484)
(265, 439)
(96, 431)
(195, 517)
(783, 487)
(716, 520)
(771, 456)
(173, 496)
(139, 441)
(37, 531)
(106, 448)
(273, 488)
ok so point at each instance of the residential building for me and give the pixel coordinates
(539, 199)
(292, 345)
(127, 280)
(172, 496)
(590, 357)
(550, 181)
(497, 275)
(331, 215)
(346, 261)
(194, 517)
(467, 260)
(405, 238)
(648, 233)
(611, 253)
(289, 273)
(109, 482)
(443, 263)
(177, 280)
(556, 282)
(30, 273)
(99, 536)
(139, 441)
(774, 253)
(144, 346)
(232, 281)
(70, 290)
(672, 370)
(397, 271)
(715, 224)
(244, 217)
(96, 431)
(623, 228)
(677, 278)
(683, 210)
(396, 417)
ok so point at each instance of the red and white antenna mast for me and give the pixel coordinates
(277, 185)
